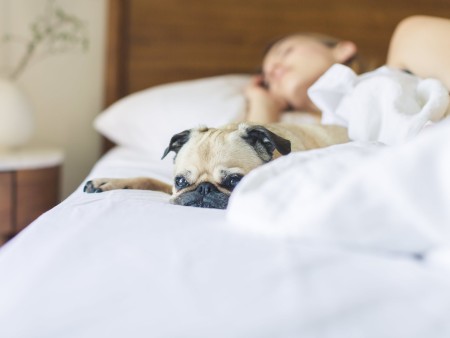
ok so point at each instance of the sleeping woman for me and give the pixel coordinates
(420, 45)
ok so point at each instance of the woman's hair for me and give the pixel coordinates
(356, 62)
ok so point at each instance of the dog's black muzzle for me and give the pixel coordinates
(206, 195)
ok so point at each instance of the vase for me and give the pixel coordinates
(16, 116)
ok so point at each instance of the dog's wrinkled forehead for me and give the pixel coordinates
(214, 147)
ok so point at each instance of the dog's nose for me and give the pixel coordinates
(205, 188)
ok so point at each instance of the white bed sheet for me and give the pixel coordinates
(129, 264)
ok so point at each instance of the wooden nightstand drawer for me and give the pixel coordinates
(29, 186)
(36, 192)
(6, 203)
(25, 195)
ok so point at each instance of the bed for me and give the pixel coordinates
(362, 250)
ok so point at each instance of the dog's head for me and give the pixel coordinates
(210, 162)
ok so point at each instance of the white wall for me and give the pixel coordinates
(3, 27)
(66, 90)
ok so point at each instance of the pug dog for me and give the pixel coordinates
(210, 162)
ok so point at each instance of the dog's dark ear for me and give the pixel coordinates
(265, 142)
(177, 141)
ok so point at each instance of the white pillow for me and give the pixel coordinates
(148, 119)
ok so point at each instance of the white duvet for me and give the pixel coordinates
(352, 244)
(357, 194)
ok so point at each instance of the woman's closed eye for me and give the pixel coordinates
(287, 50)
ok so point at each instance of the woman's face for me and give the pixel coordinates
(293, 64)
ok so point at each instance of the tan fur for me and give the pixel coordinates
(310, 136)
(211, 154)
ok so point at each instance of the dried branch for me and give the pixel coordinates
(54, 32)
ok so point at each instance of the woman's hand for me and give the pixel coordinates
(262, 106)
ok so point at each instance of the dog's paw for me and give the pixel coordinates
(94, 186)
(103, 184)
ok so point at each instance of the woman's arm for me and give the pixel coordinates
(421, 44)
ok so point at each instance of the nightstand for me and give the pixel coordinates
(29, 186)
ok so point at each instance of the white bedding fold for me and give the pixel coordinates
(388, 198)
(385, 105)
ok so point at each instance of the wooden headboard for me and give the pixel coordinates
(158, 41)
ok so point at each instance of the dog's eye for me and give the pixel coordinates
(181, 182)
(232, 181)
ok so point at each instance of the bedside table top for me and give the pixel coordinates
(30, 158)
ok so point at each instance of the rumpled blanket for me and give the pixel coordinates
(358, 194)
(385, 105)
